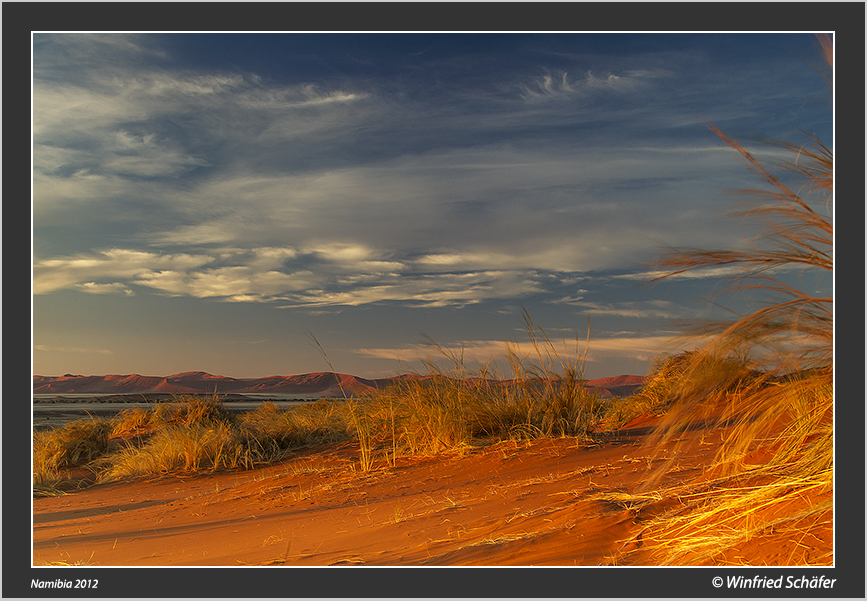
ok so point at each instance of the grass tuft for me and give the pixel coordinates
(765, 378)
(454, 407)
(76, 444)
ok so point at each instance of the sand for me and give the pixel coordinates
(513, 503)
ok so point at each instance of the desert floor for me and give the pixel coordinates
(540, 502)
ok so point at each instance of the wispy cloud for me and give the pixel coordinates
(336, 275)
(642, 348)
(326, 176)
(429, 290)
(110, 288)
(70, 349)
(562, 84)
(725, 271)
(652, 308)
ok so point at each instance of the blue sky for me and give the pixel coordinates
(204, 201)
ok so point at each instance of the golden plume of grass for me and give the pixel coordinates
(199, 433)
(454, 406)
(132, 421)
(765, 379)
(793, 331)
(719, 517)
(76, 444)
(796, 233)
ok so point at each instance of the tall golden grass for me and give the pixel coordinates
(445, 409)
(764, 378)
(453, 406)
(198, 434)
(76, 444)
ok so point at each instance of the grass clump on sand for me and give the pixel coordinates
(446, 409)
(177, 449)
(191, 434)
(75, 445)
(199, 433)
(767, 375)
(454, 407)
(318, 422)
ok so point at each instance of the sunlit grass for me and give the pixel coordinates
(763, 381)
(730, 510)
(448, 408)
(767, 376)
(302, 425)
(74, 445)
(454, 407)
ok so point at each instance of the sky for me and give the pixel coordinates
(215, 202)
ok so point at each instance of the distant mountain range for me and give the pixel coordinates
(314, 385)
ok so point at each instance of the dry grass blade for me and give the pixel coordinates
(795, 235)
(766, 376)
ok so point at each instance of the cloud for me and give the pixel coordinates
(235, 283)
(84, 270)
(724, 271)
(70, 349)
(563, 85)
(640, 348)
(429, 290)
(319, 276)
(110, 288)
(637, 309)
(144, 156)
(73, 49)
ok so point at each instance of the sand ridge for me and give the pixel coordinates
(513, 503)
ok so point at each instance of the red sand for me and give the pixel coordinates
(512, 503)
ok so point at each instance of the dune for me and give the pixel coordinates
(547, 502)
(616, 386)
(321, 384)
(198, 382)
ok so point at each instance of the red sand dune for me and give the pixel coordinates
(616, 386)
(323, 384)
(197, 382)
(537, 502)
